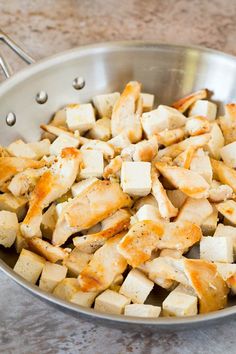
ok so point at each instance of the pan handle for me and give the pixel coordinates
(17, 49)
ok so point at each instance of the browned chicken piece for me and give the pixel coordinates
(96, 203)
(127, 111)
(106, 264)
(146, 236)
(55, 130)
(209, 286)
(46, 250)
(52, 184)
(224, 174)
(220, 192)
(189, 182)
(170, 137)
(4, 152)
(228, 123)
(145, 150)
(113, 168)
(9, 166)
(228, 210)
(184, 103)
(185, 158)
(195, 211)
(110, 226)
(197, 125)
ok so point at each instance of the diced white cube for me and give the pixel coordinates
(162, 118)
(60, 207)
(101, 129)
(49, 221)
(80, 117)
(184, 289)
(136, 178)
(216, 249)
(227, 231)
(177, 197)
(178, 304)
(20, 242)
(20, 149)
(82, 298)
(216, 142)
(79, 187)
(14, 204)
(148, 212)
(41, 148)
(67, 288)
(76, 261)
(111, 302)
(136, 286)
(228, 154)
(93, 164)
(204, 108)
(104, 103)
(51, 276)
(119, 142)
(210, 223)
(226, 270)
(61, 142)
(202, 165)
(148, 101)
(8, 228)
(142, 310)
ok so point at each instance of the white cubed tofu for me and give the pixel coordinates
(49, 221)
(148, 101)
(80, 117)
(93, 164)
(60, 207)
(177, 197)
(81, 186)
(111, 302)
(148, 212)
(228, 154)
(162, 118)
(142, 310)
(61, 142)
(101, 130)
(228, 210)
(210, 223)
(178, 304)
(76, 261)
(20, 149)
(104, 103)
(67, 288)
(136, 286)
(202, 165)
(51, 276)
(216, 141)
(20, 242)
(8, 228)
(82, 298)
(29, 266)
(227, 231)
(136, 178)
(119, 142)
(41, 148)
(216, 249)
(184, 289)
(204, 108)
(14, 204)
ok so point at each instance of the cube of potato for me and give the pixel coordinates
(80, 117)
(61, 142)
(228, 154)
(141, 310)
(162, 118)
(119, 142)
(49, 221)
(136, 178)
(210, 223)
(179, 304)
(9, 228)
(148, 101)
(227, 231)
(41, 148)
(228, 210)
(195, 211)
(101, 130)
(111, 302)
(29, 266)
(216, 249)
(202, 165)
(177, 197)
(20, 149)
(204, 108)
(136, 286)
(216, 142)
(82, 298)
(51, 276)
(104, 103)
(148, 212)
(79, 187)
(14, 204)
(66, 289)
(76, 261)
(93, 164)
(20, 242)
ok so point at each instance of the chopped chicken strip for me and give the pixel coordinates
(146, 236)
(148, 199)
(126, 113)
(228, 123)
(189, 182)
(46, 250)
(55, 130)
(184, 103)
(195, 211)
(106, 264)
(94, 204)
(169, 137)
(145, 150)
(197, 125)
(224, 174)
(228, 210)
(185, 158)
(4, 152)
(220, 193)
(52, 184)
(101, 146)
(113, 168)
(171, 253)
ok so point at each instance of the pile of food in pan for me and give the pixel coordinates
(109, 203)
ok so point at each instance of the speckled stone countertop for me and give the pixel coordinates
(28, 325)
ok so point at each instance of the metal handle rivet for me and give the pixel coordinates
(41, 97)
(78, 83)
(11, 119)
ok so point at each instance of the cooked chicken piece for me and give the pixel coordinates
(106, 264)
(228, 123)
(209, 286)
(101, 129)
(228, 210)
(169, 137)
(201, 164)
(23, 182)
(126, 113)
(176, 197)
(149, 199)
(4, 152)
(185, 158)
(55, 130)
(46, 250)
(146, 236)
(189, 182)
(224, 174)
(113, 168)
(9, 166)
(166, 252)
(195, 211)
(102, 146)
(59, 118)
(52, 184)
(166, 208)
(76, 261)
(197, 125)
(184, 103)
(94, 204)
(145, 150)
(110, 226)
(220, 192)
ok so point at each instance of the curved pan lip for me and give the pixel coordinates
(166, 323)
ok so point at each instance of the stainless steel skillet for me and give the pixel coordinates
(30, 97)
